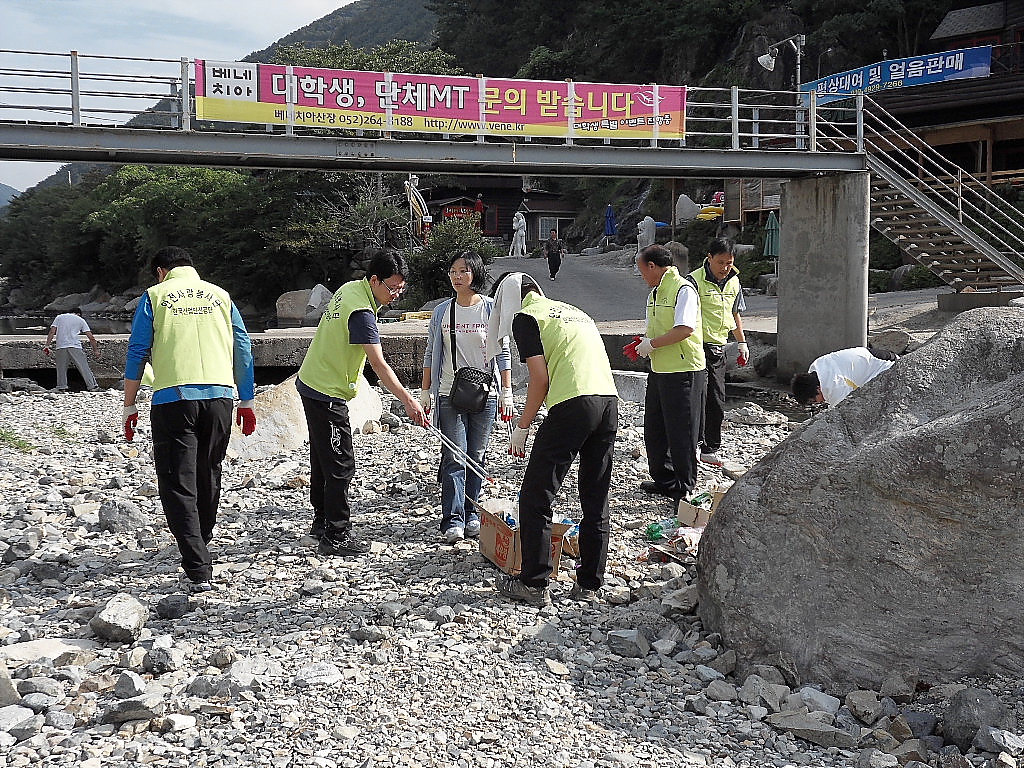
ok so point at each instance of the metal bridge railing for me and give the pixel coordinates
(122, 92)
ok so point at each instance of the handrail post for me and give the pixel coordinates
(812, 124)
(960, 195)
(186, 97)
(735, 117)
(860, 122)
(76, 91)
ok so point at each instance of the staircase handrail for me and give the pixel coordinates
(880, 143)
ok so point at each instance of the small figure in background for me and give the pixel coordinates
(68, 327)
(554, 250)
(478, 206)
(518, 247)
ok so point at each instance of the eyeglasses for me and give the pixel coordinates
(393, 290)
(459, 272)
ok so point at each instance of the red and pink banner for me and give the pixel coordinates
(386, 101)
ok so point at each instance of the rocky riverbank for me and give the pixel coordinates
(403, 657)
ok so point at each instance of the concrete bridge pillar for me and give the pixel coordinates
(823, 268)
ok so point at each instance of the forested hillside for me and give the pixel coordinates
(262, 233)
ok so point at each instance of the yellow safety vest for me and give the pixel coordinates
(686, 355)
(193, 341)
(332, 364)
(573, 350)
(716, 304)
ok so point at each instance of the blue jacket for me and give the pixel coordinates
(434, 354)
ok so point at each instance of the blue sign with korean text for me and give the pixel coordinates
(902, 73)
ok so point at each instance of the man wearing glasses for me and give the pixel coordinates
(346, 338)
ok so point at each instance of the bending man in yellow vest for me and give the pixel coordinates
(346, 338)
(570, 373)
(674, 402)
(200, 351)
(721, 301)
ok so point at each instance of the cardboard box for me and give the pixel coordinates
(500, 544)
(691, 516)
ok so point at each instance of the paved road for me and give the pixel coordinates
(606, 293)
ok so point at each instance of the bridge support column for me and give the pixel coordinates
(823, 268)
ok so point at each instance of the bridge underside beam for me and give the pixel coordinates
(238, 150)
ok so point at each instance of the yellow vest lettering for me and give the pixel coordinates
(193, 342)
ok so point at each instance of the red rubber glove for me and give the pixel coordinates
(246, 419)
(630, 349)
(130, 417)
(743, 354)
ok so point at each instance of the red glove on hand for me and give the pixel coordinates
(743, 354)
(130, 416)
(630, 349)
(246, 419)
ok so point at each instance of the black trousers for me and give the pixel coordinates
(583, 426)
(332, 464)
(714, 403)
(554, 263)
(190, 438)
(673, 410)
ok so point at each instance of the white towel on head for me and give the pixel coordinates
(507, 301)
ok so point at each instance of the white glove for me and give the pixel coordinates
(644, 348)
(517, 445)
(507, 405)
(424, 398)
(742, 354)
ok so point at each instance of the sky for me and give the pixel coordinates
(221, 30)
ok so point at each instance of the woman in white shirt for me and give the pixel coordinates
(469, 431)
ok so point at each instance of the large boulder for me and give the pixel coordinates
(281, 422)
(67, 303)
(291, 308)
(886, 535)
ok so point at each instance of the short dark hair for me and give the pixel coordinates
(76, 311)
(529, 284)
(658, 255)
(805, 387)
(721, 245)
(475, 264)
(169, 257)
(385, 265)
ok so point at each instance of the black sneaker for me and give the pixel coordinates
(198, 587)
(583, 595)
(512, 587)
(347, 544)
(649, 486)
(318, 530)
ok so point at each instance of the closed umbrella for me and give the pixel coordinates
(609, 221)
(771, 237)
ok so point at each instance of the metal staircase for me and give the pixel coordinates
(933, 210)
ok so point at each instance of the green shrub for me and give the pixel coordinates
(879, 280)
(920, 277)
(428, 265)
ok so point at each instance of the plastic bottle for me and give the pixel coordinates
(700, 498)
(662, 529)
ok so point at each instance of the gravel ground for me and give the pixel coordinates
(405, 656)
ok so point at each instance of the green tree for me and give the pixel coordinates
(428, 266)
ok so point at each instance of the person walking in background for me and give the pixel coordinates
(457, 337)
(200, 350)
(346, 338)
(554, 250)
(68, 328)
(721, 302)
(674, 403)
(569, 372)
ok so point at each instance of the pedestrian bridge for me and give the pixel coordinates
(74, 107)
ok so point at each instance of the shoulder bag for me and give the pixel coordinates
(471, 386)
